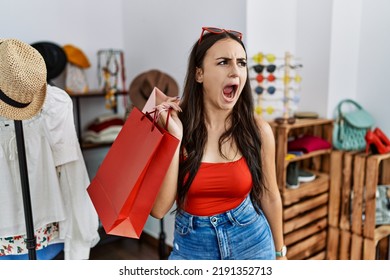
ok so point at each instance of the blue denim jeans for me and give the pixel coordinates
(238, 234)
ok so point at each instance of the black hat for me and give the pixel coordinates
(54, 56)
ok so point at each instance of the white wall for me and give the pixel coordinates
(344, 55)
(271, 26)
(65, 22)
(372, 86)
(313, 45)
(360, 57)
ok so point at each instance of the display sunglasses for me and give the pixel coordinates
(260, 68)
(287, 79)
(260, 89)
(259, 57)
(216, 30)
(260, 78)
(295, 66)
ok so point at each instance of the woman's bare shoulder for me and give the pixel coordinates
(264, 126)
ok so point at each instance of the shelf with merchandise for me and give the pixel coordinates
(305, 205)
(76, 96)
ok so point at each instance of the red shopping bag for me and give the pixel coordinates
(156, 97)
(130, 176)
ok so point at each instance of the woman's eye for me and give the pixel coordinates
(242, 63)
(222, 62)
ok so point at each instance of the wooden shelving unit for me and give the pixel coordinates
(91, 94)
(305, 209)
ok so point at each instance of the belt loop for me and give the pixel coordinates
(230, 215)
(190, 222)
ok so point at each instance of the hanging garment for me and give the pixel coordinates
(43, 180)
(16, 245)
(51, 147)
(80, 228)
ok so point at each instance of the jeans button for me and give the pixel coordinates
(214, 220)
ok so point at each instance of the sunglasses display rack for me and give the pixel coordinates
(276, 85)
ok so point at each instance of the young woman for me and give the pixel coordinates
(222, 176)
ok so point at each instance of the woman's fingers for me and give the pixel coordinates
(174, 124)
(174, 99)
(168, 105)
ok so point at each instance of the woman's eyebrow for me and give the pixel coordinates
(228, 58)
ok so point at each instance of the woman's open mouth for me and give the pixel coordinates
(229, 92)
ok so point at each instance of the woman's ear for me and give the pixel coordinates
(199, 75)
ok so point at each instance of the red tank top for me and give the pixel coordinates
(218, 187)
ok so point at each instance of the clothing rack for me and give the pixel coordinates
(31, 239)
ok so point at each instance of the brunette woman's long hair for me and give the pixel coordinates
(244, 130)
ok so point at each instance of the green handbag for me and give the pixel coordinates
(350, 127)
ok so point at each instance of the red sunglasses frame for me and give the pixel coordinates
(216, 30)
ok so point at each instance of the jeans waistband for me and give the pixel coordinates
(217, 219)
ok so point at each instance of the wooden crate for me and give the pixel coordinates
(317, 160)
(305, 223)
(377, 172)
(352, 232)
(339, 245)
(305, 209)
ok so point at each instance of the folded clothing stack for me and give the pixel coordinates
(307, 144)
(104, 129)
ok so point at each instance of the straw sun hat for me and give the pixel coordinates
(22, 80)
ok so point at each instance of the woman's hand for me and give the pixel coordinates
(175, 126)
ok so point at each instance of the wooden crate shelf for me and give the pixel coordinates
(305, 209)
(304, 206)
(353, 233)
(304, 232)
(305, 219)
(306, 190)
(310, 246)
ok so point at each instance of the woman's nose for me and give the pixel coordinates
(234, 70)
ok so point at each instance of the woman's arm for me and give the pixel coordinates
(167, 195)
(271, 201)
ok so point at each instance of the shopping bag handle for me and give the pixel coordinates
(156, 115)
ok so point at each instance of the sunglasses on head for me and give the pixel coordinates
(259, 68)
(216, 30)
